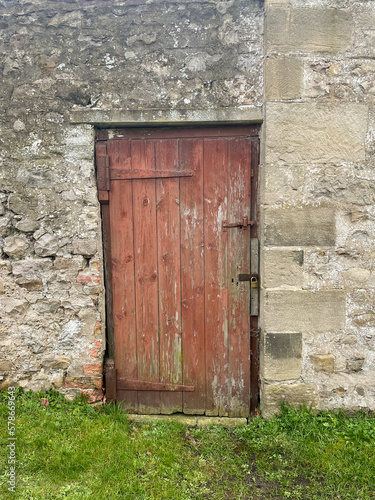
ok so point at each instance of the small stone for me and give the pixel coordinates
(5, 266)
(323, 363)
(22, 205)
(15, 246)
(355, 364)
(360, 391)
(31, 267)
(350, 340)
(39, 233)
(357, 276)
(5, 367)
(340, 391)
(57, 363)
(58, 382)
(18, 125)
(86, 247)
(48, 306)
(46, 245)
(32, 285)
(4, 224)
(366, 319)
(70, 331)
(27, 225)
(15, 306)
(74, 263)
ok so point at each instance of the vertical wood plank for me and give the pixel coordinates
(216, 291)
(106, 225)
(168, 236)
(239, 187)
(146, 274)
(192, 275)
(122, 249)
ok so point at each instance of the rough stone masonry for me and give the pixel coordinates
(304, 66)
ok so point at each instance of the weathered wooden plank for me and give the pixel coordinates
(106, 224)
(254, 269)
(103, 197)
(192, 275)
(149, 174)
(146, 273)
(110, 380)
(239, 186)
(168, 234)
(143, 385)
(184, 132)
(121, 216)
(216, 291)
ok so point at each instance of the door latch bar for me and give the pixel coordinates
(242, 224)
(253, 277)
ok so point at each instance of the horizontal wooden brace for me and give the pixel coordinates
(126, 174)
(142, 385)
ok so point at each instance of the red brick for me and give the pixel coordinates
(93, 369)
(83, 382)
(93, 396)
(88, 278)
(94, 353)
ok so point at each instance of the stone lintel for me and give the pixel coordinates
(156, 117)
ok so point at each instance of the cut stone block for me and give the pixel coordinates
(295, 395)
(304, 311)
(283, 78)
(323, 362)
(315, 132)
(307, 226)
(283, 356)
(312, 29)
(282, 268)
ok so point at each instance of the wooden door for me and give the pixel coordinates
(179, 215)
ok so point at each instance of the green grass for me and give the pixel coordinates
(75, 451)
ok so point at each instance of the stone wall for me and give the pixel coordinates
(57, 57)
(318, 342)
(67, 63)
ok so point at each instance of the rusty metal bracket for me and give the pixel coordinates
(244, 224)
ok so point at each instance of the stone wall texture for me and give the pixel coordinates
(317, 199)
(307, 65)
(89, 54)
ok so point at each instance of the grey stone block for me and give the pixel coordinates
(304, 311)
(283, 78)
(311, 29)
(283, 356)
(307, 226)
(282, 268)
(315, 132)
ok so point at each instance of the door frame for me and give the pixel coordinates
(101, 134)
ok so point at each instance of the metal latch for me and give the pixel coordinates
(243, 224)
(253, 278)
